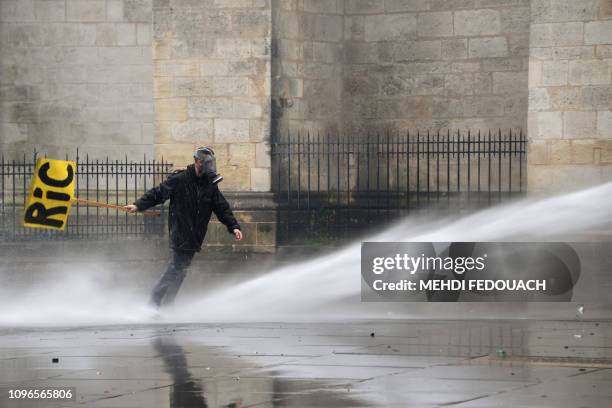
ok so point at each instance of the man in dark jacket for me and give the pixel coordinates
(194, 195)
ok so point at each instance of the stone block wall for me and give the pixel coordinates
(212, 86)
(76, 73)
(256, 213)
(134, 77)
(570, 94)
(435, 64)
(307, 66)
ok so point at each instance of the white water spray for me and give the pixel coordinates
(324, 288)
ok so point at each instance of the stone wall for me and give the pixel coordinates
(307, 66)
(76, 73)
(212, 86)
(435, 64)
(570, 94)
(256, 212)
(91, 74)
(398, 64)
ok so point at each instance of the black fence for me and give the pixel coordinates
(335, 187)
(327, 188)
(117, 182)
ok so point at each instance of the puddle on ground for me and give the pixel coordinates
(348, 364)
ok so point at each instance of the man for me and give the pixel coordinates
(194, 195)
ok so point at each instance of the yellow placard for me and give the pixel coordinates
(51, 194)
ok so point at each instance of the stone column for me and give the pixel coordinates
(307, 66)
(212, 63)
(212, 86)
(570, 94)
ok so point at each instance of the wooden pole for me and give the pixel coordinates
(113, 206)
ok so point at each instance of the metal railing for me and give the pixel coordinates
(332, 187)
(110, 181)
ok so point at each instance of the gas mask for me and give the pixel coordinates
(209, 167)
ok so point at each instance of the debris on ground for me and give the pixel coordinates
(580, 311)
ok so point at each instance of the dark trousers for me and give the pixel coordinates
(170, 282)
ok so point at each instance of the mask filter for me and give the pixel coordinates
(209, 167)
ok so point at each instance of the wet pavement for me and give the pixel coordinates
(476, 363)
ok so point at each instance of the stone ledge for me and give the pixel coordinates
(250, 200)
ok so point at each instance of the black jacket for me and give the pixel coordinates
(192, 201)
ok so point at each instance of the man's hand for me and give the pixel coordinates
(131, 208)
(237, 234)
